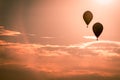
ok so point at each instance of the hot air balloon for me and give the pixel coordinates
(87, 16)
(97, 29)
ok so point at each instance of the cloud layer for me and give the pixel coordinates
(62, 62)
(93, 58)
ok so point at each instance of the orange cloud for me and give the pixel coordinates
(47, 37)
(71, 60)
(4, 32)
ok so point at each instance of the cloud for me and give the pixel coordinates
(104, 48)
(92, 58)
(31, 34)
(47, 37)
(89, 37)
(105, 43)
(111, 47)
(5, 32)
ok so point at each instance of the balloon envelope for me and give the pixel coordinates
(97, 29)
(87, 16)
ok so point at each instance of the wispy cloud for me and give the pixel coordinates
(31, 34)
(5, 32)
(84, 45)
(47, 37)
(89, 37)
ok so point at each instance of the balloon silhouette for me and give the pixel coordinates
(87, 16)
(97, 29)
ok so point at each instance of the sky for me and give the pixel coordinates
(48, 40)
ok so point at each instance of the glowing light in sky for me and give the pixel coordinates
(104, 2)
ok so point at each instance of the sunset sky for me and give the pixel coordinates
(48, 40)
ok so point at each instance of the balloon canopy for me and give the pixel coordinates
(87, 16)
(97, 29)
